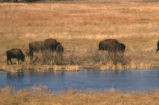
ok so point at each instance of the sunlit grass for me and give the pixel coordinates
(42, 96)
(80, 27)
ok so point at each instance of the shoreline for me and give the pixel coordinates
(75, 68)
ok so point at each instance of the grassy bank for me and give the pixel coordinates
(41, 96)
(80, 27)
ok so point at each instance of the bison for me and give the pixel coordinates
(35, 47)
(48, 44)
(59, 48)
(51, 44)
(15, 53)
(122, 47)
(59, 52)
(157, 46)
(111, 45)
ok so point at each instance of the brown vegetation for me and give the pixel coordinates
(41, 96)
(80, 28)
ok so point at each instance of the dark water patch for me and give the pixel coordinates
(139, 80)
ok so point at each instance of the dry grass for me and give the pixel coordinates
(80, 27)
(41, 96)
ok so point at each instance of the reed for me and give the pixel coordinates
(42, 96)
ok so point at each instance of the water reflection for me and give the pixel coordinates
(141, 80)
(15, 76)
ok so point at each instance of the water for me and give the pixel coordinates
(140, 80)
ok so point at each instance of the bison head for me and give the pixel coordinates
(23, 57)
(122, 47)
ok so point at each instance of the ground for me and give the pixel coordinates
(81, 25)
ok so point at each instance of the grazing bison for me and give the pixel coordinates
(15, 53)
(48, 44)
(59, 52)
(157, 46)
(35, 47)
(51, 44)
(59, 48)
(122, 47)
(111, 45)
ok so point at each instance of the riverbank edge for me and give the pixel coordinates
(74, 68)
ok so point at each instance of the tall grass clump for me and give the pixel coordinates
(105, 57)
(47, 57)
(88, 58)
(73, 59)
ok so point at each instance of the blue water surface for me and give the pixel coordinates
(138, 80)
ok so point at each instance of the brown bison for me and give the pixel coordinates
(122, 47)
(51, 44)
(48, 44)
(59, 48)
(15, 53)
(59, 52)
(35, 47)
(157, 46)
(111, 45)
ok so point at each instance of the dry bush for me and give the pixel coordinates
(47, 57)
(104, 57)
(117, 58)
(96, 57)
(72, 58)
(41, 96)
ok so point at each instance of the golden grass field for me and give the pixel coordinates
(80, 26)
(41, 96)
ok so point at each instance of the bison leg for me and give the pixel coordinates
(59, 58)
(9, 60)
(18, 61)
(31, 54)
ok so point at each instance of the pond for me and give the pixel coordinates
(140, 80)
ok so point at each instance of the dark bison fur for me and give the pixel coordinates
(15, 53)
(59, 52)
(48, 44)
(111, 45)
(35, 47)
(157, 46)
(122, 47)
(59, 48)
